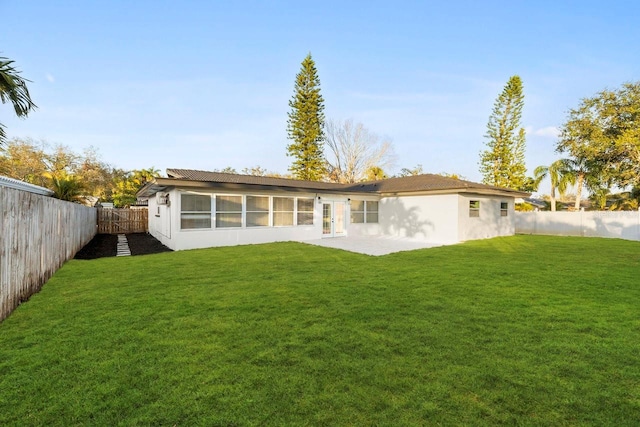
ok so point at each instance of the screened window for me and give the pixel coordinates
(371, 209)
(282, 211)
(305, 211)
(504, 208)
(474, 208)
(228, 211)
(195, 211)
(257, 211)
(357, 211)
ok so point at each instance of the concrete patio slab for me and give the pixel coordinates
(374, 245)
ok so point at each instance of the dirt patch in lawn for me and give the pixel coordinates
(105, 245)
(102, 245)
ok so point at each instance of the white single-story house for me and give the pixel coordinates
(198, 209)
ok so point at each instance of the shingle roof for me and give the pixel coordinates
(408, 184)
(232, 178)
(424, 182)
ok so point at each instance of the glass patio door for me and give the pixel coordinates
(333, 214)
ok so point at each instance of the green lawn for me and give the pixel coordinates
(525, 330)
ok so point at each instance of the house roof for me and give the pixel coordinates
(426, 183)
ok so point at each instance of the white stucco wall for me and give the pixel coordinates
(165, 224)
(432, 218)
(490, 223)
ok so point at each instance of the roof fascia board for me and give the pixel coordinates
(229, 186)
(466, 191)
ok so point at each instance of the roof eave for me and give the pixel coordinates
(469, 191)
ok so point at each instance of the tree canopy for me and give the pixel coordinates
(305, 126)
(502, 163)
(72, 176)
(602, 137)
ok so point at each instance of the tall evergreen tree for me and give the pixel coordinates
(305, 125)
(502, 163)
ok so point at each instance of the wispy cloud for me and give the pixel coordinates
(50, 78)
(547, 132)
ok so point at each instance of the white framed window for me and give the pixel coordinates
(357, 211)
(228, 211)
(282, 211)
(474, 208)
(363, 211)
(305, 211)
(504, 208)
(257, 211)
(195, 211)
(371, 209)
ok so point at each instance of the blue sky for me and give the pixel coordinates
(205, 85)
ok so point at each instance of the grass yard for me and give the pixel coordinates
(525, 330)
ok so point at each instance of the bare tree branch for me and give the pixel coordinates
(353, 150)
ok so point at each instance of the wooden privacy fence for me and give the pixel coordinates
(37, 235)
(118, 221)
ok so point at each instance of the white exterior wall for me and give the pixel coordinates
(623, 225)
(432, 218)
(490, 223)
(164, 223)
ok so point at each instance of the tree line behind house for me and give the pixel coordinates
(78, 177)
(600, 144)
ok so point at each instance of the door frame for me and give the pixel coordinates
(337, 218)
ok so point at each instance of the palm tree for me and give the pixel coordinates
(583, 174)
(599, 198)
(560, 179)
(13, 88)
(65, 186)
(625, 202)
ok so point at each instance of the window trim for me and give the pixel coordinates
(298, 211)
(274, 211)
(504, 211)
(210, 211)
(367, 212)
(364, 212)
(241, 211)
(245, 206)
(474, 211)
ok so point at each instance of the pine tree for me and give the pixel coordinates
(502, 163)
(305, 125)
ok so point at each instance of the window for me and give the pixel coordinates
(504, 208)
(372, 212)
(228, 211)
(364, 212)
(195, 211)
(282, 211)
(257, 211)
(474, 208)
(357, 211)
(305, 212)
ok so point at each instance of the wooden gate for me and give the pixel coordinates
(119, 221)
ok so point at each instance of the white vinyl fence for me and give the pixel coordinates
(37, 235)
(618, 224)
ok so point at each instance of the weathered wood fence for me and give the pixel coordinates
(37, 235)
(117, 221)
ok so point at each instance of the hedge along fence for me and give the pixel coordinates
(37, 235)
(617, 224)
